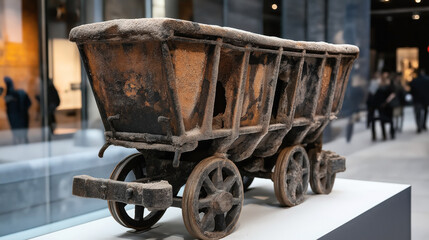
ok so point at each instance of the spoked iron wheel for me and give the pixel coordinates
(291, 175)
(131, 168)
(212, 199)
(321, 179)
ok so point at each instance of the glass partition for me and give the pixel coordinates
(50, 128)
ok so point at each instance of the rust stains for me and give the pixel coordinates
(189, 65)
(130, 78)
(132, 87)
(324, 88)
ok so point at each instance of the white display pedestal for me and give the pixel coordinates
(354, 210)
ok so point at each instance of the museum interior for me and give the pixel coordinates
(55, 121)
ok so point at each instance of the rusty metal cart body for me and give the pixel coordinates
(209, 107)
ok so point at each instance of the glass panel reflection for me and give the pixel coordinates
(20, 118)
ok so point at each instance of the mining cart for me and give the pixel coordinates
(209, 108)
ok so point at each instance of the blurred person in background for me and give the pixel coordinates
(384, 104)
(53, 102)
(17, 105)
(399, 102)
(370, 104)
(419, 89)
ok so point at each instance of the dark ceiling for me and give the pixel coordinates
(393, 26)
(397, 4)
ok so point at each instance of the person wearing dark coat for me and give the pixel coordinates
(419, 89)
(53, 103)
(370, 104)
(398, 102)
(382, 101)
(17, 105)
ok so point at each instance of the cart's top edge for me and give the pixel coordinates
(165, 28)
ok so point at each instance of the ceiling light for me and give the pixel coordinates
(415, 16)
(274, 6)
(418, 1)
(386, 0)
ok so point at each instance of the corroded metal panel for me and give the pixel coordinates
(129, 80)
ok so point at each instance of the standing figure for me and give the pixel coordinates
(419, 88)
(53, 103)
(382, 102)
(399, 102)
(370, 104)
(17, 105)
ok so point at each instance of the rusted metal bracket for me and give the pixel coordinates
(110, 121)
(103, 149)
(176, 159)
(153, 196)
(165, 122)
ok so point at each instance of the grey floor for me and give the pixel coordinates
(403, 160)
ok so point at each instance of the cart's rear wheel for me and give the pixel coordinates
(131, 168)
(212, 199)
(246, 182)
(291, 175)
(321, 179)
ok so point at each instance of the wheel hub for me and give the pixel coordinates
(222, 202)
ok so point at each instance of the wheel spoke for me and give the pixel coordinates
(304, 171)
(209, 186)
(299, 158)
(292, 195)
(291, 166)
(220, 222)
(236, 201)
(321, 175)
(208, 220)
(229, 182)
(292, 188)
(204, 202)
(322, 165)
(217, 177)
(235, 210)
(138, 213)
(298, 168)
(300, 188)
(323, 181)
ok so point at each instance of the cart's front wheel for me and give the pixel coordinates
(212, 199)
(291, 175)
(321, 179)
(131, 168)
